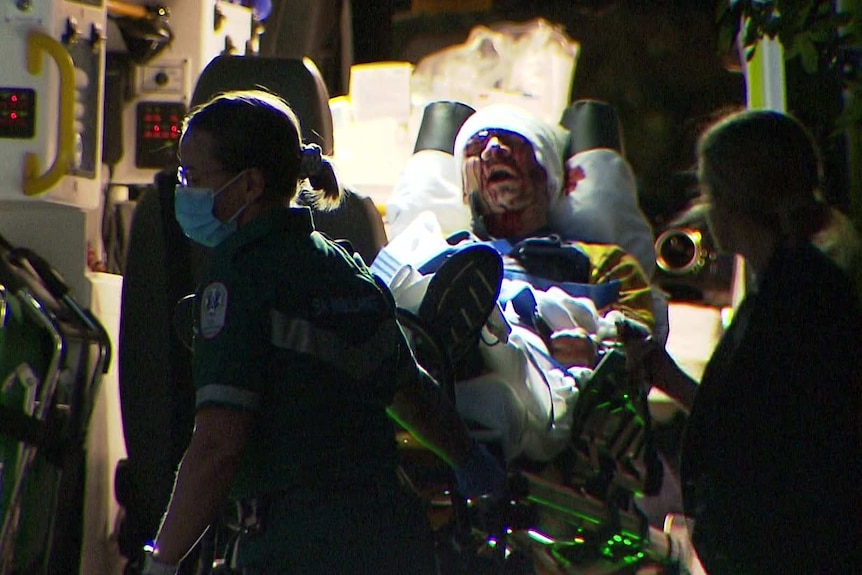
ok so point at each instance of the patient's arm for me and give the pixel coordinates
(611, 263)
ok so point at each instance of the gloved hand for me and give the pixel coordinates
(641, 350)
(481, 474)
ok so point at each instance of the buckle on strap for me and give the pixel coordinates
(251, 514)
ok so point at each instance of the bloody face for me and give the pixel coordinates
(512, 187)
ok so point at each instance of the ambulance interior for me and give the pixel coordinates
(91, 103)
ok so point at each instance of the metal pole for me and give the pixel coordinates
(853, 135)
(854, 130)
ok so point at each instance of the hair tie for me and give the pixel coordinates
(310, 161)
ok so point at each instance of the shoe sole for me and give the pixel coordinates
(461, 296)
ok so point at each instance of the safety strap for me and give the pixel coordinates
(602, 294)
(522, 298)
(21, 427)
(503, 247)
(532, 353)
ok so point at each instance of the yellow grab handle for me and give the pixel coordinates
(34, 181)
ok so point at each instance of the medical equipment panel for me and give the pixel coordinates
(160, 85)
(51, 102)
(17, 113)
(157, 133)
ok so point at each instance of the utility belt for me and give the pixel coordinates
(251, 515)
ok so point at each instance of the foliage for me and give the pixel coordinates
(825, 39)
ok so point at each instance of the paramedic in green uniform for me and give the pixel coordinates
(299, 364)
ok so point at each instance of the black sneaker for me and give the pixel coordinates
(461, 296)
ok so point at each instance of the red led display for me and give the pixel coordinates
(156, 125)
(17, 112)
(158, 133)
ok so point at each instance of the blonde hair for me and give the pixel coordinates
(765, 164)
(840, 240)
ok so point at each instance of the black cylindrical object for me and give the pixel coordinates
(440, 124)
(591, 124)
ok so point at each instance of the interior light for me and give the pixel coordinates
(726, 316)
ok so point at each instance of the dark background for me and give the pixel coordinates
(656, 61)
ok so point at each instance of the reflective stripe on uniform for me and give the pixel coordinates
(227, 394)
(359, 360)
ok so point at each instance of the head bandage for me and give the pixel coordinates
(545, 139)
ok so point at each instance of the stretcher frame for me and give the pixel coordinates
(80, 355)
(568, 525)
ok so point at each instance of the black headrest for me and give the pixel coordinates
(440, 124)
(591, 124)
(296, 80)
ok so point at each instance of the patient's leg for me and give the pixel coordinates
(461, 296)
(488, 401)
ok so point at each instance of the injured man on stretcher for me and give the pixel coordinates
(523, 309)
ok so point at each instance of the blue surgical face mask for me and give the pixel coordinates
(194, 212)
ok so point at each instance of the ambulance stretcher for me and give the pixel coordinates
(53, 354)
(575, 514)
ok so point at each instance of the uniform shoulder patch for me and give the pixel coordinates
(213, 309)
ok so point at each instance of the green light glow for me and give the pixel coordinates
(566, 510)
(540, 537)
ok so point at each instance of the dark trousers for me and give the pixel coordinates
(377, 528)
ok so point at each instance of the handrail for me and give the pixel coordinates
(36, 182)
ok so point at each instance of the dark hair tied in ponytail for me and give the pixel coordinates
(310, 161)
(326, 192)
